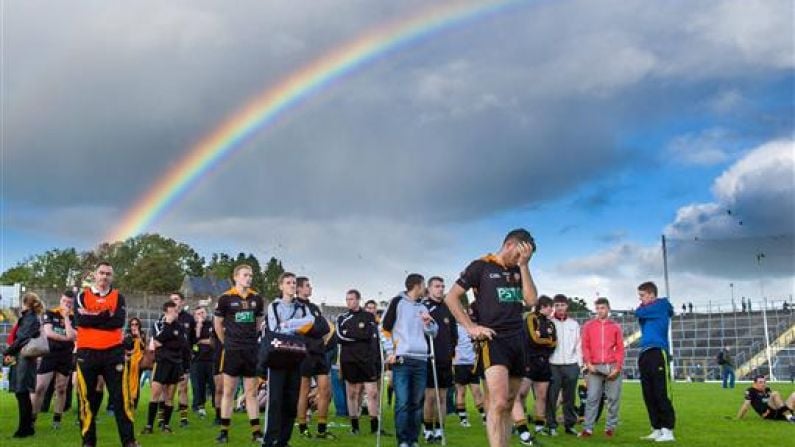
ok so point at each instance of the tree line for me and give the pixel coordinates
(144, 263)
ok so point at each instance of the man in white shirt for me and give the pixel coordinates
(565, 364)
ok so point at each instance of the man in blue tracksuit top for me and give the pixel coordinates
(409, 324)
(654, 315)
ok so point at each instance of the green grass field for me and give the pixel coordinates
(703, 412)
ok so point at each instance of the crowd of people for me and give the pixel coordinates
(506, 344)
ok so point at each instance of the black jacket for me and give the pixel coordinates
(172, 339)
(314, 338)
(355, 332)
(28, 329)
(447, 338)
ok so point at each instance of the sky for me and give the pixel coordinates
(598, 126)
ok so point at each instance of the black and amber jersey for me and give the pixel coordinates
(759, 400)
(171, 337)
(498, 293)
(543, 335)
(203, 352)
(240, 314)
(55, 318)
(446, 338)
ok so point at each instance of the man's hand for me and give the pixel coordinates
(478, 332)
(7, 360)
(614, 375)
(591, 369)
(525, 252)
(426, 318)
(390, 360)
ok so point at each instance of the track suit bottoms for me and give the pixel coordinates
(654, 377)
(108, 363)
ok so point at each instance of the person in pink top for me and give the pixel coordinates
(603, 356)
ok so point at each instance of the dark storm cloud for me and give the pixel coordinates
(504, 113)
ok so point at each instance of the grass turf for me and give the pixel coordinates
(705, 417)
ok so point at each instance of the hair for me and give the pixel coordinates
(413, 280)
(101, 263)
(519, 235)
(354, 292)
(602, 300)
(759, 376)
(240, 267)
(543, 301)
(560, 298)
(168, 305)
(179, 294)
(33, 302)
(370, 302)
(69, 294)
(285, 275)
(301, 281)
(140, 326)
(648, 287)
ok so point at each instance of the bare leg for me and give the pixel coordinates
(500, 404)
(323, 397)
(371, 389)
(250, 390)
(37, 396)
(230, 383)
(303, 399)
(61, 382)
(518, 410)
(540, 389)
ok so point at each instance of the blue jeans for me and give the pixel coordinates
(727, 372)
(338, 392)
(409, 382)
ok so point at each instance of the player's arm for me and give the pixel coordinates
(453, 301)
(104, 319)
(529, 290)
(218, 317)
(743, 409)
(52, 335)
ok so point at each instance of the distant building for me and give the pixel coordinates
(200, 287)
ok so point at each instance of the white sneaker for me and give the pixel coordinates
(666, 435)
(653, 436)
(428, 435)
(526, 438)
(465, 423)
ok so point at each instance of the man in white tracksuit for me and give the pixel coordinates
(565, 364)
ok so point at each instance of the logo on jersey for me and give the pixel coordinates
(361, 325)
(494, 275)
(244, 317)
(509, 294)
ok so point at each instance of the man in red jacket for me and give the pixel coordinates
(603, 355)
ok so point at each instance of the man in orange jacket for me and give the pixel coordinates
(100, 316)
(603, 355)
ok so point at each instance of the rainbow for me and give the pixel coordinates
(264, 111)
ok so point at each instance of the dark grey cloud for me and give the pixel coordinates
(504, 113)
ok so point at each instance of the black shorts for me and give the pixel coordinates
(315, 365)
(538, 369)
(776, 415)
(445, 374)
(509, 351)
(355, 372)
(167, 373)
(239, 362)
(467, 374)
(61, 363)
